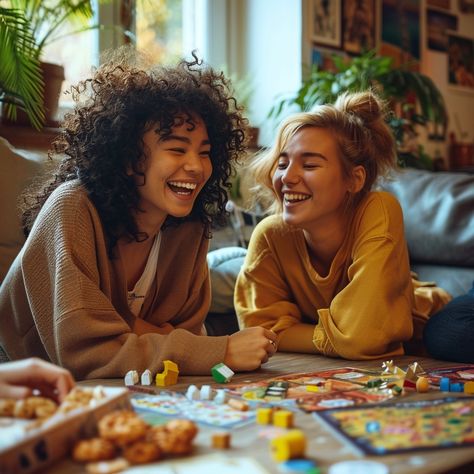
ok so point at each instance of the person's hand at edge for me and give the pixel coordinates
(19, 379)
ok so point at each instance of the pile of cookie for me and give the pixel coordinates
(28, 408)
(40, 408)
(123, 434)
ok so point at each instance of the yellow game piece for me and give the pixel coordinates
(312, 388)
(169, 376)
(288, 446)
(221, 440)
(422, 385)
(469, 387)
(283, 419)
(264, 416)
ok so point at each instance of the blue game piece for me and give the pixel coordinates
(372, 427)
(444, 384)
(456, 387)
(298, 465)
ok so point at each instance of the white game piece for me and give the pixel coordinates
(192, 393)
(131, 377)
(206, 392)
(146, 377)
(221, 396)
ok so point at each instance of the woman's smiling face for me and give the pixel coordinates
(176, 168)
(309, 179)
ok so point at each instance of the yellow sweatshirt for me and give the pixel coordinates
(64, 300)
(363, 309)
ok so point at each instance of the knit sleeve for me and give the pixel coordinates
(262, 296)
(372, 315)
(70, 289)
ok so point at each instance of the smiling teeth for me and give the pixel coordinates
(296, 197)
(183, 185)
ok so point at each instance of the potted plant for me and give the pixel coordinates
(414, 98)
(21, 82)
(43, 23)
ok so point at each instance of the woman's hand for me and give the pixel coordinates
(250, 348)
(20, 378)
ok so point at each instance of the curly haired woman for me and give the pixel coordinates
(113, 275)
(329, 271)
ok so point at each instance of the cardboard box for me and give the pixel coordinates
(29, 450)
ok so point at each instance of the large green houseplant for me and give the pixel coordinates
(26, 28)
(414, 98)
(21, 83)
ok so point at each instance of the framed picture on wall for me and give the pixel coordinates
(359, 25)
(326, 22)
(437, 26)
(461, 62)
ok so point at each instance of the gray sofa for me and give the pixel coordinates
(438, 212)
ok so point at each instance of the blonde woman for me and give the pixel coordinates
(329, 270)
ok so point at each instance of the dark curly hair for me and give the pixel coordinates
(102, 139)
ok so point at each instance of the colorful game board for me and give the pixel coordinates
(460, 373)
(200, 411)
(318, 390)
(406, 426)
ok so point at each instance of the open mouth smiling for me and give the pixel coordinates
(295, 197)
(182, 188)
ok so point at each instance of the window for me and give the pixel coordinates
(159, 29)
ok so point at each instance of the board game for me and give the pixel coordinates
(460, 373)
(406, 426)
(167, 404)
(317, 390)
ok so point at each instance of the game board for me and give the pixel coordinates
(406, 426)
(460, 373)
(318, 390)
(200, 411)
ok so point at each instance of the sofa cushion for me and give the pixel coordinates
(17, 170)
(438, 209)
(224, 266)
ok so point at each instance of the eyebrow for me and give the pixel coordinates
(305, 155)
(183, 139)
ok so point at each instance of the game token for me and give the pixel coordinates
(131, 377)
(298, 465)
(444, 384)
(206, 392)
(221, 373)
(469, 387)
(146, 378)
(456, 387)
(192, 393)
(358, 467)
(422, 385)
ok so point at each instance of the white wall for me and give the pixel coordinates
(270, 43)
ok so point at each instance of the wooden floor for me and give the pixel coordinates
(323, 445)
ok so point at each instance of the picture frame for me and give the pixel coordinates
(405, 48)
(461, 62)
(359, 26)
(437, 26)
(326, 23)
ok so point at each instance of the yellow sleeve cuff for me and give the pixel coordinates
(322, 342)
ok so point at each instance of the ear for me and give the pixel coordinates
(358, 179)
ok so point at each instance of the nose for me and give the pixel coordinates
(290, 174)
(193, 163)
